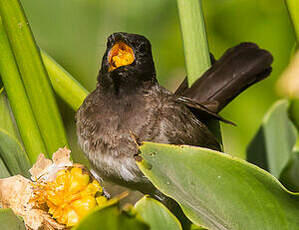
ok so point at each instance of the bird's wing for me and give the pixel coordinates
(178, 125)
(239, 68)
(175, 123)
(200, 110)
(184, 85)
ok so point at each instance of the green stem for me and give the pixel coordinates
(65, 86)
(34, 75)
(293, 8)
(19, 103)
(197, 56)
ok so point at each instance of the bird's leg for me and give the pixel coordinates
(100, 180)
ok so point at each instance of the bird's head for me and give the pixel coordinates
(128, 58)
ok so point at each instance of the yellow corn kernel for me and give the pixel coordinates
(72, 218)
(70, 196)
(92, 189)
(78, 180)
(84, 205)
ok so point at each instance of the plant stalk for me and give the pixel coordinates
(196, 48)
(34, 75)
(27, 125)
(197, 56)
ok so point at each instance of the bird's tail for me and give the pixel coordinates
(239, 68)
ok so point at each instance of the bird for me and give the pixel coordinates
(128, 105)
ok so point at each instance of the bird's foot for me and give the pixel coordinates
(100, 180)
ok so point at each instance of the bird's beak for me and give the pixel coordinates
(120, 54)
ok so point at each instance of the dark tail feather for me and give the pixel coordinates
(184, 85)
(239, 68)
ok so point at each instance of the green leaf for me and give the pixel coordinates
(3, 170)
(9, 221)
(294, 112)
(271, 148)
(64, 85)
(289, 176)
(110, 218)
(34, 75)
(219, 191)
(156, 214)
(6, 122)
(13, 155)
(195, 227)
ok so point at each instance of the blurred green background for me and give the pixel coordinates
(74, 33)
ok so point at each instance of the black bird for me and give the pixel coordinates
(128, 103)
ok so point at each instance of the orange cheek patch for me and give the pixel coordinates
(120, 55)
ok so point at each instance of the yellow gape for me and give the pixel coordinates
(120, 55)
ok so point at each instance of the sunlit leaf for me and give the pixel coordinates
(219, 191)
(156, 214)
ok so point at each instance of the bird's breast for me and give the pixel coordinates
(106, 132)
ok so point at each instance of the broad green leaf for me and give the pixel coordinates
(290, 175)
(13, 154)
(9, 221)
(6, 122)
(3, 170)
(195, 227)
(11, 151)
(219, 191)
(156, 214)
(110, 218)
(271, 148)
